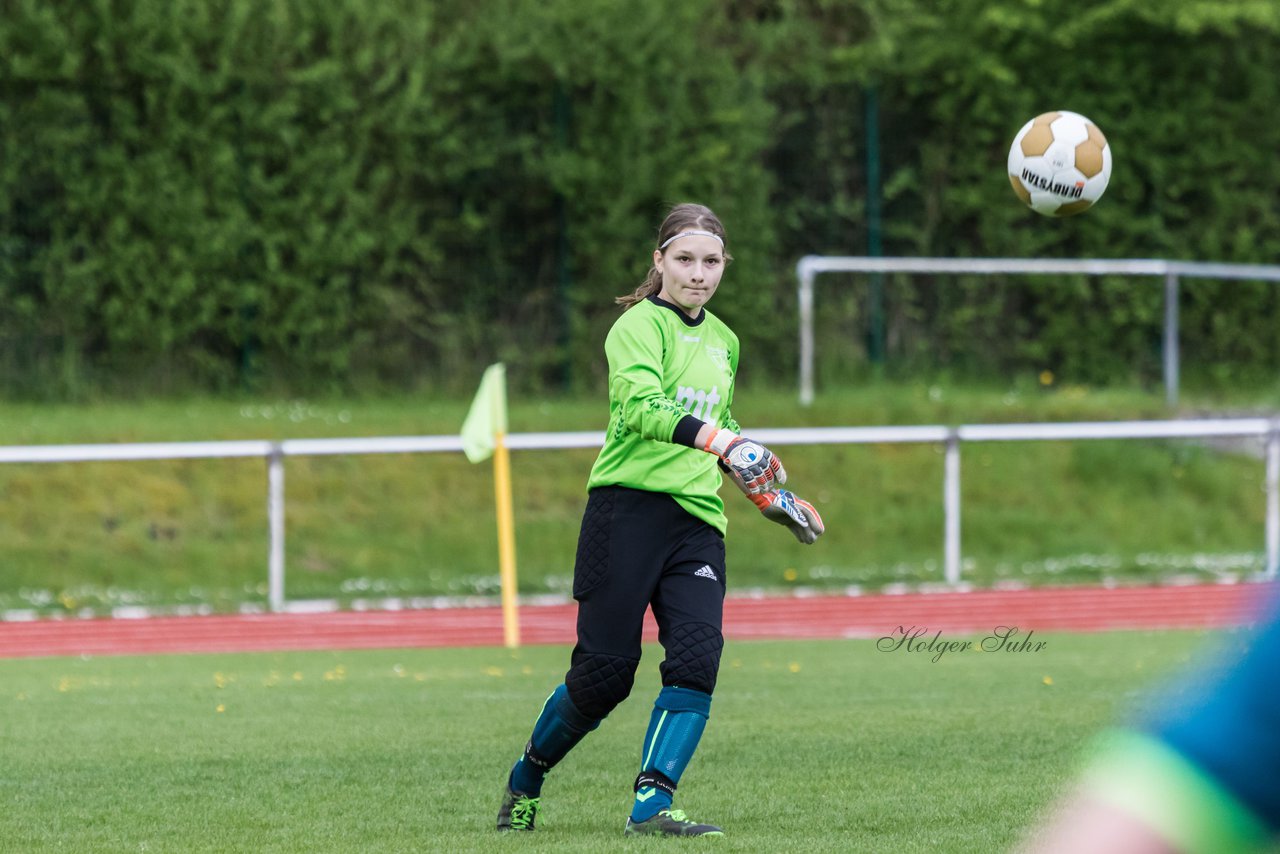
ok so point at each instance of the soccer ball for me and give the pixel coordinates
(1059, 164)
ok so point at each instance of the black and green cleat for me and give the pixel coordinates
(517, 811)
(670, 823)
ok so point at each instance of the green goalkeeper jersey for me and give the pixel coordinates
(663, 368)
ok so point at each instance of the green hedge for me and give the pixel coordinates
(306, 194)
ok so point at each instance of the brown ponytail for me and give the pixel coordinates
(685, 217)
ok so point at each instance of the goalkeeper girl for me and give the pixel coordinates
(653, 530)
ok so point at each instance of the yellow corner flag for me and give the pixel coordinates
(487, 418)
(484, 435)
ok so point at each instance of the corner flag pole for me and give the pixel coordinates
(484, 433)
(506, 541)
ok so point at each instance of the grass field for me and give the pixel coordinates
(813, 746)
(99, 535)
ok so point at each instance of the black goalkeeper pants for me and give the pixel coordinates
(638, 550)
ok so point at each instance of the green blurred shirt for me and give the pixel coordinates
(664, 366)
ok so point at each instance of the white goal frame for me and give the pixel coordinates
(810, 266)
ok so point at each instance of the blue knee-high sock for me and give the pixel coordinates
(559, 727)
(675, 727)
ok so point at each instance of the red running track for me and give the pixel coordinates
(1076, 609)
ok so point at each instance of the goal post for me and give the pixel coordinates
(809, 267)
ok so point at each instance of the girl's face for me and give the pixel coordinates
(691, 270)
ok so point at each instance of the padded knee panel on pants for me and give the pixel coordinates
(693, 657)
(598, 682)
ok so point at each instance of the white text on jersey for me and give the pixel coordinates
(701, 404)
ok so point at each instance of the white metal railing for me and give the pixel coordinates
(810, 266)
(949, 437)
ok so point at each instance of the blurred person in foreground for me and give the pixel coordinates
(1201, 775)
(652, 533)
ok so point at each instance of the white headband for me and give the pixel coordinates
(692, 233)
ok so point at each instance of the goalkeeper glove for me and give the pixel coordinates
(786, 508)
(753, 467)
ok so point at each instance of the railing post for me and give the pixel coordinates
(1273, 500)
(1170, 339)
(805, 297)
(951, 508)
(275, 526)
